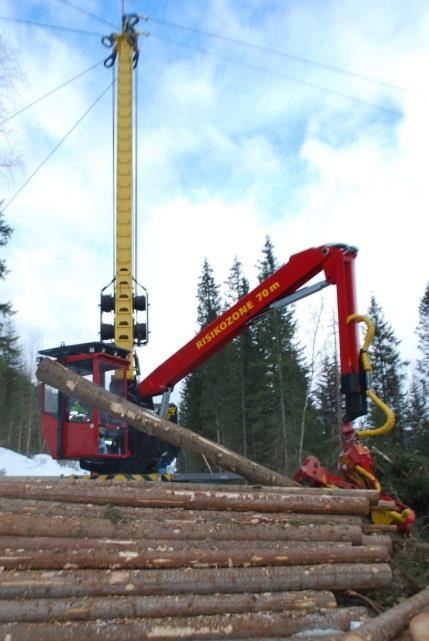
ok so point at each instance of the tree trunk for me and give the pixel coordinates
(81, 583)
(142, 528)
(202, 628)
(142, 556)
(312, 369)
(325, 494)
(55, 374)
(28, 543)
(105, 608)
(20, 431)
(29, 412)
(10, 432)
(243, 400)
(164, 495)
(282, 403)
(174, 516)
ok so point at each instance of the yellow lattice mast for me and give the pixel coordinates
(124, 331)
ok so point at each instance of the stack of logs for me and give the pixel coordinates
(134, 561)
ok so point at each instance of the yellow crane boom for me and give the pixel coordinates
(124, 198)
(124, 331)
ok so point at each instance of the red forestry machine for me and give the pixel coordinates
(105, 446)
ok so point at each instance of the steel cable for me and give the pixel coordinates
(51, 153)
(50, 93)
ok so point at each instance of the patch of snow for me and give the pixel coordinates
(325, 632)
(14, 464)
(354, 625)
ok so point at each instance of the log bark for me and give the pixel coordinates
(140, 557)
(86, 583)
(172, 516)
(370, 528)
(378, 539)
(12, 524)
(83, 609)
(54, 374)
(136, 494)
(201, 628)
(371, 495)
(385, 626)
(45, 543)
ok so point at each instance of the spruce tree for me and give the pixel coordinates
(201, 400)
(8, 349)
(209, 308)
(417, 418)
(280, 399)
(423, 347)
(418, 404)
(325, 444)
(18, 395)
(18, 398)
(5, 232)
(5, 308)
(240, 356)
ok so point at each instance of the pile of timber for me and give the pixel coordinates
(133, 561)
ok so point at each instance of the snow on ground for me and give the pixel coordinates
(14, 464)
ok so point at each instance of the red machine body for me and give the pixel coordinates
(72, 431)
(102, 444)
(285, 286)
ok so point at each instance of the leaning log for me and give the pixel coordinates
(85, 609)
(87, 583)
(54, 374)
(201, 628)
(385, 626)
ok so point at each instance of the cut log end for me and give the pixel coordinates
(419, 627)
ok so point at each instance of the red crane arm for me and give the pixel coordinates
(337, 263)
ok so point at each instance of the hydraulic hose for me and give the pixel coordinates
(367, 367)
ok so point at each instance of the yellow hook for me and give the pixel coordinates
(366, 364)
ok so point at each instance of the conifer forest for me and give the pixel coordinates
(267, 398)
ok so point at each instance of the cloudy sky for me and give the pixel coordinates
(315, 131)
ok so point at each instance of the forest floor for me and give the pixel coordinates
(410, 568)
